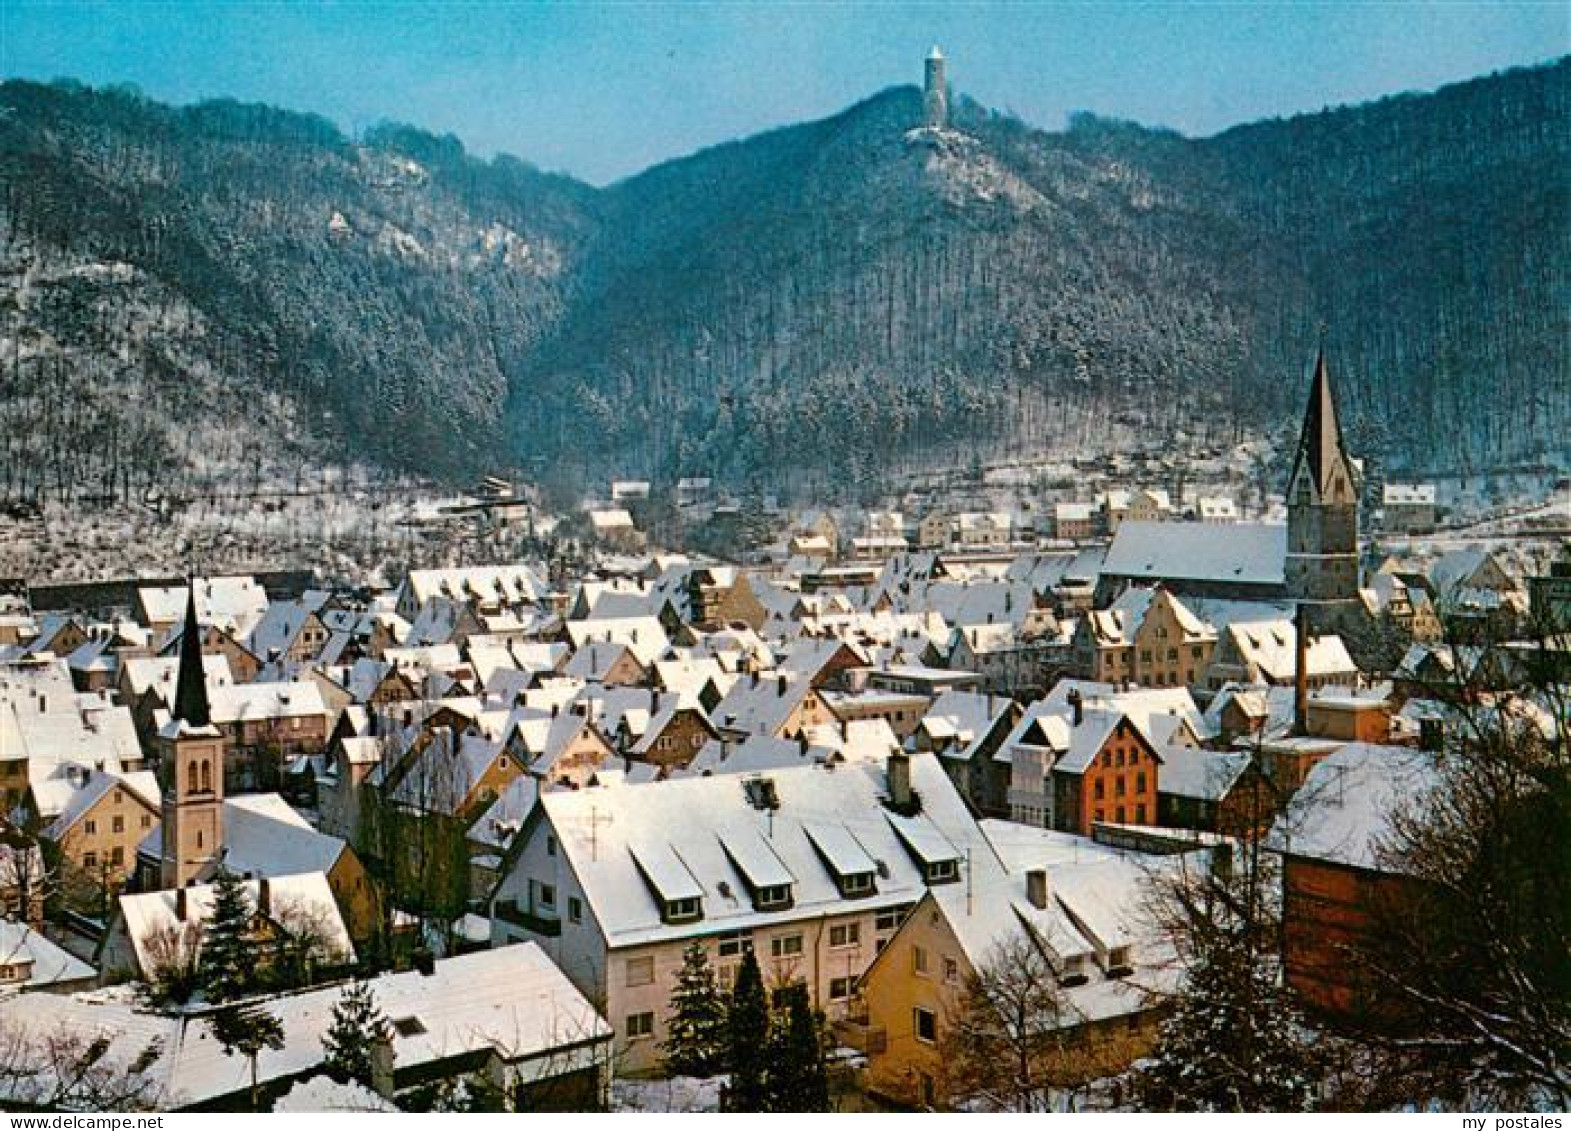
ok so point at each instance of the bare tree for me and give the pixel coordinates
(1008, 1032)
(64, 1069)
(1465, 960)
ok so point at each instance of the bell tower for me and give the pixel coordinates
(191, 768)
(1321, 568)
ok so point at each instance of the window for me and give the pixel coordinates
(725, 977)
(777, 896)
(951, 970)
(1140, 782)
(1120, 817)
(147, 820)
(640, 1025)
(856, 883)
(1118, 786)
(575, 909)
(547, 895)
(845, 934)
(91, 827)
(919, 959)
(117, 855)
(784, 946)
(840, 988)
(925, 1022)
(889, 920)
(677, 910)
(90, 860)
(550, 845)
(942, 871)
(118, 824)
(1099, 789)
(733, 943)
(1140, 814)
(641, 971)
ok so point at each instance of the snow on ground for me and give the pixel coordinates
(678, 1094)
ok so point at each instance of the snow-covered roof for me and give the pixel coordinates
(265, 836)
(511, 1001)
(1204, 775)
(151, 915)
(1343, 811)
(38, 963)
(234, 604)
(676, 831)
(71, 792)
(1240, 553)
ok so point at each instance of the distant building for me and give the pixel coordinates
(936, 91)
(1408, 508)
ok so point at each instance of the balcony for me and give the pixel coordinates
(509, 911)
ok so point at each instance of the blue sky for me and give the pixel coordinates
(603, 90)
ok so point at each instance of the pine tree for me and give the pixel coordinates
(358, 1025)
(228, 958)
(696, 1041)
(798, 1077)
(247, 1030)
(1233, 1043)
(747, 1039)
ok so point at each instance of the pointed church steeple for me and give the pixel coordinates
(191, 706)
(1321, 565)
(1321, 461)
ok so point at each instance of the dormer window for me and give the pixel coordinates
(1118, 962)
(857, 883)
(772, 897)
(943, 872)
(682, 910)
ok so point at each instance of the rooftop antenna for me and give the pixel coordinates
(969, 888)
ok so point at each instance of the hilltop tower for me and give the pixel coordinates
(936, 91)
(1321, 568)
(191, 768)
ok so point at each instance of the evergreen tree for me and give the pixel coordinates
(247, 1030)
(696, 1041)
(747, 1039)
(1233, 1043)
(228, 959)
(798, 1078)
(358, 1025)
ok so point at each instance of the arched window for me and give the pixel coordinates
(199, 838)
(207, 776)
(190, 776)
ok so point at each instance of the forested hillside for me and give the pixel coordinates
(223, 284)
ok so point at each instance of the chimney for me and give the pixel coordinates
(264, 897)
(1076, 706)
(1036, 888)
(780, 686)
(1300, 670)
(382, 1065)
(899, 773)
(180, 904)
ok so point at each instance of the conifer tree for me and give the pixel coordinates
(747, 1039)
(358, 1025)
(228, 957)
(798, 1077)
(247, 1030)
(696, 1041)
(1232, 1044)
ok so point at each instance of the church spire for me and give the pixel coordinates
(1321, 454)
(191, 705)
